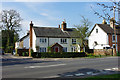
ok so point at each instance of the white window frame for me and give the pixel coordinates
(112, 38)
(73, 41)
(63, 40)
(43, 40)
(64, 49)
(96, 30)
(73, 49)
(42, 49)
(116, 47)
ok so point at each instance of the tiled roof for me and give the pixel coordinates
(24, 37)
(55, 32)
(107, 28)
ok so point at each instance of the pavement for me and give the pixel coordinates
(45, 68)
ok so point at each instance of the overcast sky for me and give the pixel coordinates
(51, 14)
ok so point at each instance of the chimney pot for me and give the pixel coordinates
(104, 21)
(112, 22)
(64, 25)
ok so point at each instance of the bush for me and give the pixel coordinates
(118, 53)
(58, 54)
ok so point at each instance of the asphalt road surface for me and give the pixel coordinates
(53, 68)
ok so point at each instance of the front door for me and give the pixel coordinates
(56, 49)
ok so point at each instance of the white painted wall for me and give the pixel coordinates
(52, 41)
(16, 45)
(101, 37)
(34, 41)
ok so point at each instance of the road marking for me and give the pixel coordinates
(89, 73)
(95, 74)
(45, 66)
(69, 75)
(107, 69)
(115, 68)
(51, 77)
(79, 74)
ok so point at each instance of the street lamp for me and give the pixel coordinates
(114, 29)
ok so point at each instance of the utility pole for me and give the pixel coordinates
(114, 30)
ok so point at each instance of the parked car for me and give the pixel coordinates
(102, 46)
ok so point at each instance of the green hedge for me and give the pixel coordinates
(58, 55)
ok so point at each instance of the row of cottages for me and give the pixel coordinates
(102, 36)
(45, 39)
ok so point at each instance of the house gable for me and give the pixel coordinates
(98, 36)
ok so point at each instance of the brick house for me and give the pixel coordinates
(102, 35)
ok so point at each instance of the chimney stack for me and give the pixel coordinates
(112, 22)
(104, 21)
(31, 25)
(59, 26)
(64, 26)
(31, 36)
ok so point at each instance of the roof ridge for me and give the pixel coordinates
(43, 27)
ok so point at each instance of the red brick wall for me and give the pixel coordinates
(118, 40)
(110, 40)
(111, 43)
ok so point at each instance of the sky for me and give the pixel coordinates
(51, 14)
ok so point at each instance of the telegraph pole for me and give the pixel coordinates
(114, 30)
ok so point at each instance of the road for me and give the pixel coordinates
(53, 68)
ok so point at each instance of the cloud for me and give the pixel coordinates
(44, 14)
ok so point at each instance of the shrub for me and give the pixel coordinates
(23, 53)
(58, 54)
(118, 53)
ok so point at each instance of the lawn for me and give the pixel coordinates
(103, 77)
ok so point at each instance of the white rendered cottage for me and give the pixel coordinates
(44, 39)
(102, 36)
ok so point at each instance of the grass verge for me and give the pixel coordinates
(103, 77)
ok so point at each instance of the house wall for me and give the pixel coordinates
(34, 41)
(21, 44)
(52, 41)
(111, 42)
(101, 37)
(26, 42)
(118, 37)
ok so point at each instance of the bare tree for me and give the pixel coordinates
(10, 20)
(106, 10)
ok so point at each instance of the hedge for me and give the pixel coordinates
(58, 54)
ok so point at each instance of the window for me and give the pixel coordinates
(63, 40)
(116, 47)
(64, 49)
(113, 38)
(73, 49)
(73, 41)
(43, 40)
(96, 30)
(42, 49)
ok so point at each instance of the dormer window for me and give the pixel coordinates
(96, 30)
